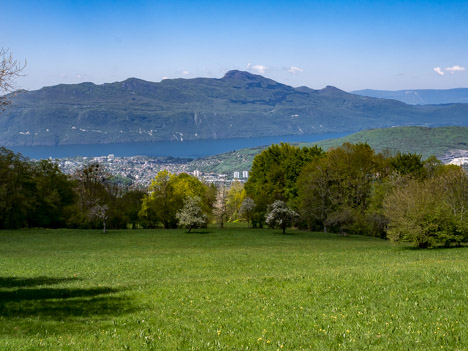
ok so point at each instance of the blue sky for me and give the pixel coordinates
(349, 44)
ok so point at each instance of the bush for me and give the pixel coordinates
(429, 213)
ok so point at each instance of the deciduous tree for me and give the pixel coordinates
(191, 214)
(274, 174)
(247, 208)
(340, 181)
(167, 193)
(280, 215)
(235, 196)
(430, 212)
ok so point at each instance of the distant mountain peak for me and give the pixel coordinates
(332, 89)
(133, 79)
(242, 75)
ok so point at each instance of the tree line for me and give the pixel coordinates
(353, 190)
(348, 190)
(39, 194)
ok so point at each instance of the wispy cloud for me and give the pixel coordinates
(294, 69)
(454, 69)
(439, 71)
(257, 68)
(185, 73)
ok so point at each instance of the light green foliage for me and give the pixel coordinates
(430, 212)
(235, 196)
(280, 215)
(231, 289)
(191, 215)
(158, 206)
(166, 196)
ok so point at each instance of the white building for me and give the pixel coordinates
(236, 175)
(245, 174)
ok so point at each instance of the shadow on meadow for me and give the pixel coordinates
(199, 232)
(34, 297)
(15, 282)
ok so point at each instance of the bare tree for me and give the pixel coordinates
(100, 212)
(10, 69)
(246, 209)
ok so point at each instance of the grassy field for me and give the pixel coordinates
(232, 289)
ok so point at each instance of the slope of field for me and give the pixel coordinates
(232, 289)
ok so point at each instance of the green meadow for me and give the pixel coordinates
(227, 289)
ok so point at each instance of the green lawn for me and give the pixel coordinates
(233, 289)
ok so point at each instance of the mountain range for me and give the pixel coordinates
(240, 104)
(420, 96)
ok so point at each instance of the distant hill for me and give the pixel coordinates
(238, 105)
(420, 96)
(425, 141)
(442, 142)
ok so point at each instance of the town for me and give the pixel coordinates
(138, 171)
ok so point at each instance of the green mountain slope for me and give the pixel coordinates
(238, 105)
(425, 141)
(439, 141)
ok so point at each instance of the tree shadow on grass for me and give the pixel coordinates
(287, 233)
(198, 232)
(27, 297)
(15, 282)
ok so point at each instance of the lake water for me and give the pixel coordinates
(184, 149)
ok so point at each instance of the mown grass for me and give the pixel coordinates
(233, 289)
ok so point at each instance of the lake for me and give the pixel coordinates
(183, 149)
